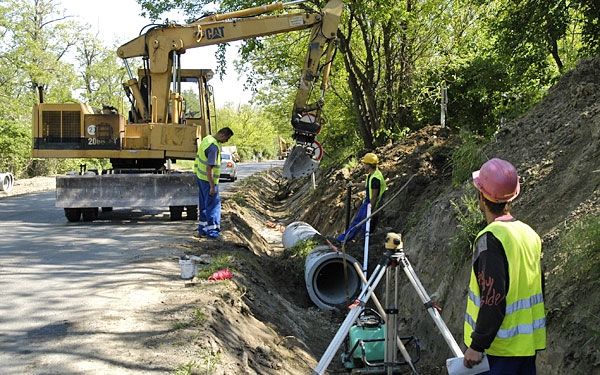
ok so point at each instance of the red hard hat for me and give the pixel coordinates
(497, 180)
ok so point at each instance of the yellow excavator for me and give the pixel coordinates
(161, 127)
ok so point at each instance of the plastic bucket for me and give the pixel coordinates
(189, 268)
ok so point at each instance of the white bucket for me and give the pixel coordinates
(189, 268)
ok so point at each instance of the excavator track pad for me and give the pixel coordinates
(299, 164)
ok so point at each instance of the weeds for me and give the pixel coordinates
(470, 222)
(296, 255)
(351, 164)
(581, 241)
(206, 365)
(198, 317)
(466, 159)
(218, 263)
(239, 198)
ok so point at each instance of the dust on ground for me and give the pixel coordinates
(262, 321)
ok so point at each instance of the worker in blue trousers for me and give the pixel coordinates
(208, 169)
(375, 187)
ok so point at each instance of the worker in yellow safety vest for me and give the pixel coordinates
(207, 167)
(375, 187)
(505, 315)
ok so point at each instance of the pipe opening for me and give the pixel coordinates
(329, 282)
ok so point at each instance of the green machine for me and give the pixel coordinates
(364, 348)
(370, 337)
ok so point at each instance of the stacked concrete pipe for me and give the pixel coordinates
(8, 181)
(324, 269)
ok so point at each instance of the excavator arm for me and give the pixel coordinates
(162, 46)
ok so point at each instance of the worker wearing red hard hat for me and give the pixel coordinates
(505, 315)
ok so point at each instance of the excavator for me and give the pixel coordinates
(160, 128)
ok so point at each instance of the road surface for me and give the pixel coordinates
(74, 294)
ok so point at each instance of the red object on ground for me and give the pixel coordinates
(221, 275)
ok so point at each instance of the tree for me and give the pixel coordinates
(252, 132)
(102, 73)
(38, 55)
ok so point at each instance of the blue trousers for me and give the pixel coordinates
(511, 365)
(353, 230)
(209, 210)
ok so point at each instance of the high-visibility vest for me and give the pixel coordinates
(378, 175)
(523, 330)
(202, 161)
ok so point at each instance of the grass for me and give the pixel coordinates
(205, 365)
(295, 257)
(239, 198)
(185, 164)
(218, 263)
(581, 241)
(470, 221)
(198, 317)
(466, 159)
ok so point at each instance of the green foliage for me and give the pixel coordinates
(295, 257)
(15, 141)
(252, 131)
(205, 365)
(102, 73)
(42, 49)
(588, 11)
(466, 159)
(470, 221)
(580, 247)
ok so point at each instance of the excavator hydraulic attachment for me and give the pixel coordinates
(306, 154)
(299, 163)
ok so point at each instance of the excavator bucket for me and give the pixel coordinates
(299, 164)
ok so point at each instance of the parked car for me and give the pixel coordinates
(229, 168)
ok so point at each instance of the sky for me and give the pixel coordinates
(119, 20)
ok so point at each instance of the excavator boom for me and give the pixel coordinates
(162, 45)
(165, 124)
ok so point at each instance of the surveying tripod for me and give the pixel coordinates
(393, 256)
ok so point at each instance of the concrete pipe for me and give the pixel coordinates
(8, 181)
(324, 270)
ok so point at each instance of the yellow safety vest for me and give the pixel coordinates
(202, 161)
(523, 330)
(378, 175)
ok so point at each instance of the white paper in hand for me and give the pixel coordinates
(455, 366)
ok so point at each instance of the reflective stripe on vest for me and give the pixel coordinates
(201, 161)
(523, 330)
(382, 187)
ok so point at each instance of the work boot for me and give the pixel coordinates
(214, 235)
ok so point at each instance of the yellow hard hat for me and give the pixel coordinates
(370, 158)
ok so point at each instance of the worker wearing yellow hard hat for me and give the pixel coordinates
(375, 187)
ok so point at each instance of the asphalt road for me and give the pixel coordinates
(89, 281)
